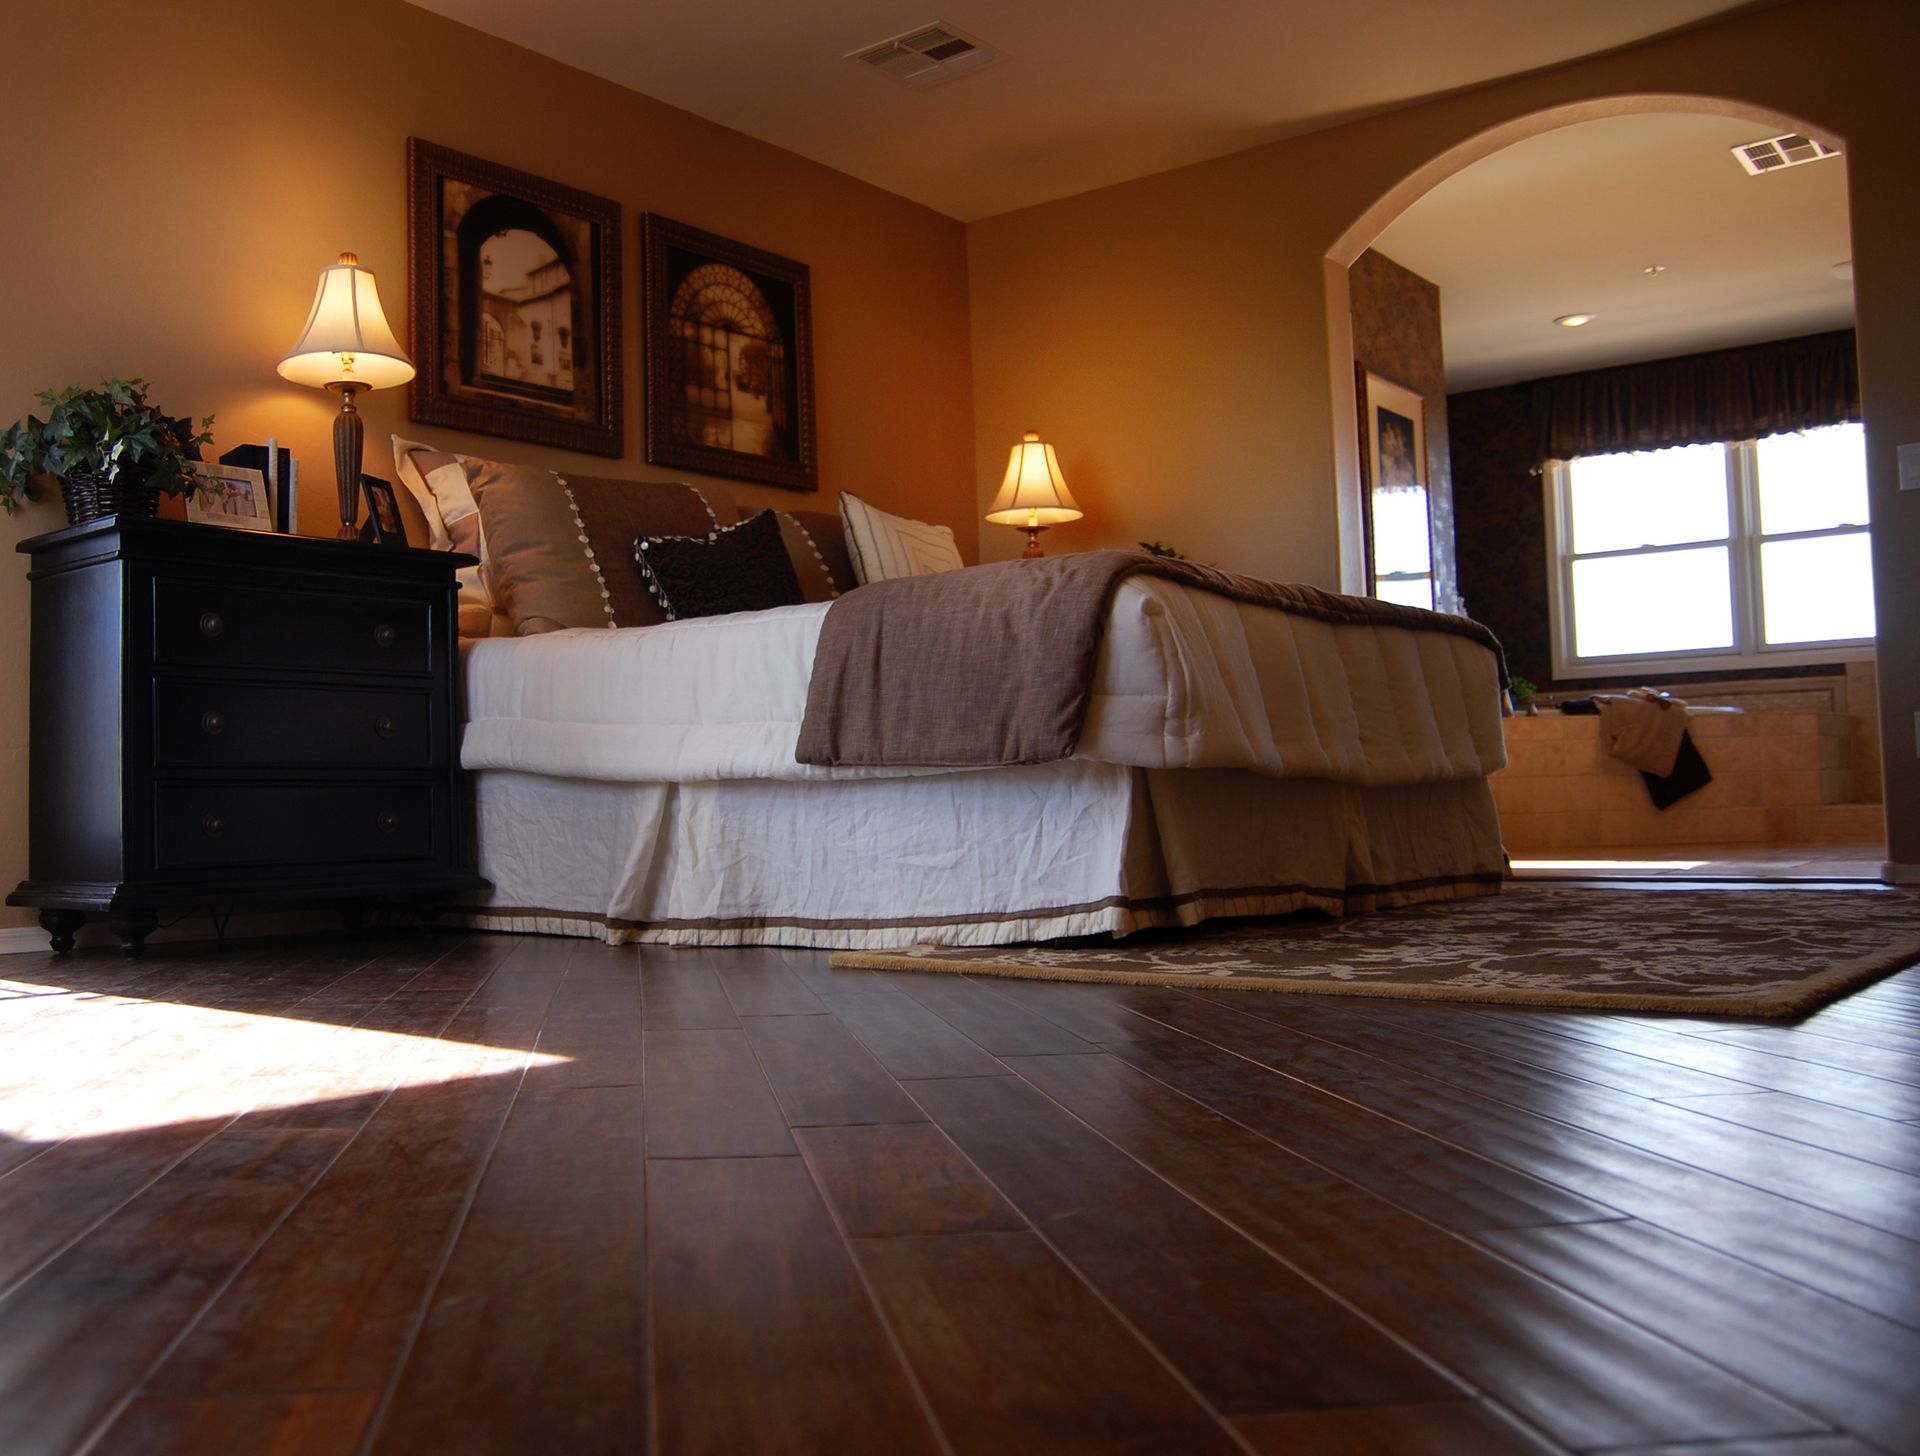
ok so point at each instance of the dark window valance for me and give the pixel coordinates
(1730, 394)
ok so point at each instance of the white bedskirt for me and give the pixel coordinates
(977, 858)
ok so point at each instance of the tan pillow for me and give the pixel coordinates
(476, 618)
(560, 546)
(817, 545)
(436, 483)
(886, 546)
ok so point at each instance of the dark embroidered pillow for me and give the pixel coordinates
(743, 568)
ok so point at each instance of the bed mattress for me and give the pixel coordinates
(1185, 679)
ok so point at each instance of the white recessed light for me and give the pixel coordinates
(1574, 320)
(1844, 269)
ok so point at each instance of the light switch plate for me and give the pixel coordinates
(1910, 467)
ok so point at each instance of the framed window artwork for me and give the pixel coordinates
(514, 302)
(1399, 513)
(729, 358)
(231, 496)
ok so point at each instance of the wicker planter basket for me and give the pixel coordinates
(89, 495)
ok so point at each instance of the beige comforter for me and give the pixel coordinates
(997, 665)
(1184, 679)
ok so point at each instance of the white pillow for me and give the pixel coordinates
(884, 547)
(445, 497)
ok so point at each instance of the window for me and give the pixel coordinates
(1750, 554)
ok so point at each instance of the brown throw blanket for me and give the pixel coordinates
(994, 664)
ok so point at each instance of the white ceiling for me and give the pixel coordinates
(1569, 222)
(1093, 92)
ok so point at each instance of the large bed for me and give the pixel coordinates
(641, 784)
(649, 762)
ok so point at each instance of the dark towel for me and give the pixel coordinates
(1689, 773)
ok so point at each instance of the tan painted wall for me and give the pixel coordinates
(176, 174)
(1171, 336)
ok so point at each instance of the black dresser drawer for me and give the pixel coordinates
(198, 826)
(212, 624)
(228, 724)
(238, 717)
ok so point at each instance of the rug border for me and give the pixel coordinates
(1803, 996)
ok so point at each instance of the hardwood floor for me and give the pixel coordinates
(465, 1193)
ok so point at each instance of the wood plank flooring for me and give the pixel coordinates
(444, 1192)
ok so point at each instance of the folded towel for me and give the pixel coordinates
(1643, 729)
(1689, 773)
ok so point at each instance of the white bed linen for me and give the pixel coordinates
(1011, 855)
(1185, 679)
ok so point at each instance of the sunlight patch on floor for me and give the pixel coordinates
(85, 1065)
(1609, 864)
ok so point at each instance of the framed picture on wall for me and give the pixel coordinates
(1399, 515)
(729, 357)
(514, 301)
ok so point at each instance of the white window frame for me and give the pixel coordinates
(1743, 541)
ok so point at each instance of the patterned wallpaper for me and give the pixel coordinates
(1396, 334)
(1500, 527)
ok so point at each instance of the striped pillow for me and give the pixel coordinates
(884, 547)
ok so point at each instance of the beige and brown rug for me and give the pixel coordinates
(1713, 952)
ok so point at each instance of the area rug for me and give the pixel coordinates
(1709, 952)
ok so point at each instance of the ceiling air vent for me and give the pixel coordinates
(929, 56)
(1779, 152)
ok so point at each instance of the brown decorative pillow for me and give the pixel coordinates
(560, 546)
(743, 568)
(817, 546)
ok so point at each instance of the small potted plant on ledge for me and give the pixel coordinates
(1522, 692)
(112, 452)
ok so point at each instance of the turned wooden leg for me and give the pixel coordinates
(60, 926)
(133, 928)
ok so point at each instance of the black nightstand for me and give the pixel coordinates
(220, 717)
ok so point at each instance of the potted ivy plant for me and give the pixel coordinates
(112, 451)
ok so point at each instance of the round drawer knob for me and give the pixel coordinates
(383, 635)
(213, 722)
(387, 820)
(212, 624)
(213, 824)
(383, 727)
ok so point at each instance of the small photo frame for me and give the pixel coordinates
(384, 526)
(232, 496)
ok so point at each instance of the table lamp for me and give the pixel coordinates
(347, 346)
(1034, 495)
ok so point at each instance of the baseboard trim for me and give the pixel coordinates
(22, 939)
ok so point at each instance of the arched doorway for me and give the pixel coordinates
(1553, 133)
(1361, 233)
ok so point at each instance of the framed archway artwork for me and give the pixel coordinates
(514, 300)
(729, 357)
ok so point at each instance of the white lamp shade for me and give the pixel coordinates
(347, 340)
(1033, 493)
